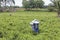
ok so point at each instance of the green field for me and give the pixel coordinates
(15, 25)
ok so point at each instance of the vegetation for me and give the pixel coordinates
(5, 7)
(57, 5)
(16, 26)
(29, 4)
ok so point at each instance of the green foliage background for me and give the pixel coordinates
(15, 26)
(33, 4)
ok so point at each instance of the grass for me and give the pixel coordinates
(15, 25)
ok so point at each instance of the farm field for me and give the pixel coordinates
(16, 25)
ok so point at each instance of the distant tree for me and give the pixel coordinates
(39, 4)
(5, 6)
(50, 7)
(11, 3)
(29, 4)
(0, 3)
(57, 5)
(26, 4)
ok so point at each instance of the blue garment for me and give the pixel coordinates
(35, 28)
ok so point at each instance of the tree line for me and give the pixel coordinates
(56, 4)
(6, 5)
(29, 4)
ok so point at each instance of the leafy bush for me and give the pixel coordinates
(51, 9)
